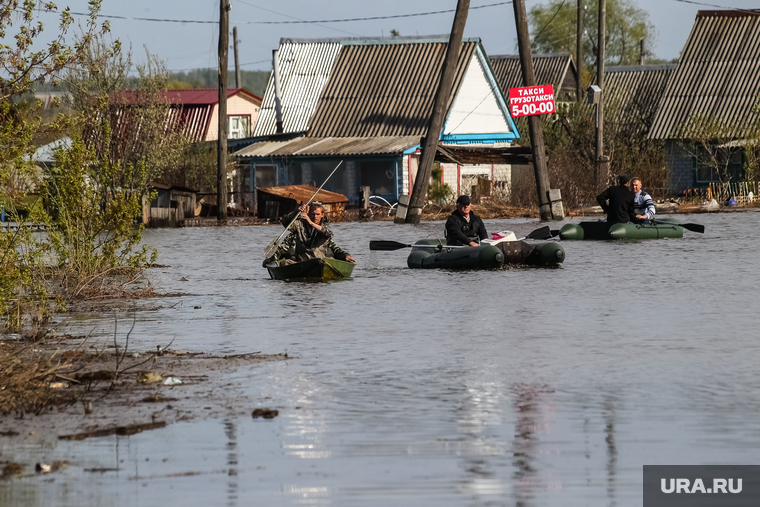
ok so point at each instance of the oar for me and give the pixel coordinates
(689, 227)
(272, 247)
(542, 233)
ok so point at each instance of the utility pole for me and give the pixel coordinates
(641, 52)
(238, 78)
(440, 108)
(579, 52)
(602, 162)
(277, 94)
(534, 123)
(221, 143)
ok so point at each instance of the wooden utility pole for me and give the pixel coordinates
(602, 161)
(440, 108)
(238, 78)
(579, 51)
(277, 94)
(221, 143)
(534, 123)
(642, 58)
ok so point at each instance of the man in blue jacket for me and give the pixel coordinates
(642, 201)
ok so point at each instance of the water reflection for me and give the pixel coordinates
(230, 431)
(609, 432)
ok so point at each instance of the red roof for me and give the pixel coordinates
(187, 96)
(199, 96)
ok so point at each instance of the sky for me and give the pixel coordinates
(187, 46)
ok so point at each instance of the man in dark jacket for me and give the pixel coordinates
(620, 209)
(463, 226)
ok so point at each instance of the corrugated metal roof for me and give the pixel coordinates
(312, 146)
(718, 74)
(302, 193)
(385, 89)
(632, 94)
(304, 68)
(557, 69)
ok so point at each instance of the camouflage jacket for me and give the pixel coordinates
(305, 242)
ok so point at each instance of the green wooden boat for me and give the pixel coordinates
(602, 230)
(326, 268)
(466, 257)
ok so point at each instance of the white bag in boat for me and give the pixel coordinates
(499, 237)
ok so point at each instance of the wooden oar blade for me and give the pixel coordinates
(694, 228)
(386, 245)
(543, 233)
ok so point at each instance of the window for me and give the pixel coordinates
(238, 127)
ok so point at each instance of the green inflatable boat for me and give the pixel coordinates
(433, 253)
(602, 230)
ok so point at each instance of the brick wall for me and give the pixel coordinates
(680, 167)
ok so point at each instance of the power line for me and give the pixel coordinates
(294, 22)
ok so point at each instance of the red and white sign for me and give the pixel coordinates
(531, 100)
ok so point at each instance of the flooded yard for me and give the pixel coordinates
(530, 387)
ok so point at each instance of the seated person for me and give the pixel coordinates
(310, 237)
(619, 210)
(642, 202)
(464, 227)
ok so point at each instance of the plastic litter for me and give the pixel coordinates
(59, 385)
(148, 377)
(172, 381)
(42, 468)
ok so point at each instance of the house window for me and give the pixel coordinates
(238, 127)
(720, 166)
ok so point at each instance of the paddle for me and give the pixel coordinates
(542, 233)
(272, 247)
(689, 227)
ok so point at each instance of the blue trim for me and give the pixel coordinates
(499, 96)
(479, 138)
(411, 150)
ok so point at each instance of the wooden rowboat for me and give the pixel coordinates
(326, 268)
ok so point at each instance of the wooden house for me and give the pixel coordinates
(368, 102)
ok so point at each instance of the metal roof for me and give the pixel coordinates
(718, 74)
(632, 94)
(325, 146)
(385, 89)
(302, 193)
(556, 69)
(304, 68)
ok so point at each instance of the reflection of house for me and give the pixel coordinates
(368, 103)
(169, 205)
(554, 69)
(274, 202)
(718, 77)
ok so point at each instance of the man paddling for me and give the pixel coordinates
(464, 227)
(310, 237)
(620, 209)
(642, 201)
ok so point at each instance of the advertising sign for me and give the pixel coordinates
(531, 100)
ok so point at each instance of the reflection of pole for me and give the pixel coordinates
(221, 142)
(601, 160)
(579, 52)
(534, 124)
(440, 108)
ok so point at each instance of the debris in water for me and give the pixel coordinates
(148, 377)
(172, 381)
(266, 413)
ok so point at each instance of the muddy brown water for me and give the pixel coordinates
(529, 387)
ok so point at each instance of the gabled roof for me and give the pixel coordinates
(557, 69)
(718, 74)
(304, 66)
(634, 92)
(326, 146)
(386, 88)
(205, 96)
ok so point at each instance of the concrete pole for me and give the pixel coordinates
(238, 78)
(534, 123)
(221, 143)
(277, 96)
(579, 51)
(440, 109)
(601, 160)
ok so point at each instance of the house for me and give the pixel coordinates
(368, 102)
(718, 79)
(633, 93)
(557, 69)
(200, 108)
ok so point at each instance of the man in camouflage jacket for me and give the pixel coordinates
(310, 237)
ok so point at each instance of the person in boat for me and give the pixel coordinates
(617, 202)
(464, 227)
(310, 237)
(642, 202)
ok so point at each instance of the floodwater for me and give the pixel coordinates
(529, 387)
